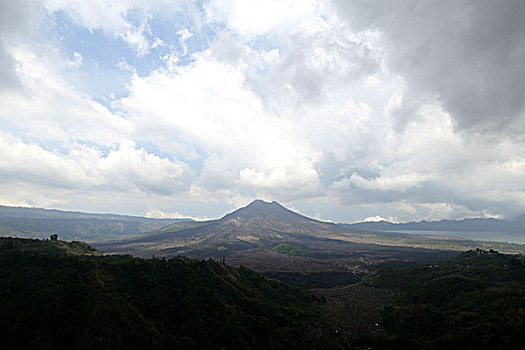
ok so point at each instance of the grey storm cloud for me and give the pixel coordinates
(8, 76)
(15, 23)
(470, 55)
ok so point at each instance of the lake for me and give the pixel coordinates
(475, 235)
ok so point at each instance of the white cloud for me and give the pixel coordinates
(109, 16)
(159, 214)
(376, 218)
(252, 18)
(124, 19)
(125, 168)
(50, 110)
(77, 60)
(184, 35)
(386, 183)
(207, 105)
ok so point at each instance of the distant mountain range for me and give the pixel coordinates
(258, 224)
(40, 213)
(515, 225)
(70, 225)
(263, 226)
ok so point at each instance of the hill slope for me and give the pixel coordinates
(475, 300)
(256, 225)
(52, 247)
(41, 213)
(41, 223)
(118, 302)
(263, 225)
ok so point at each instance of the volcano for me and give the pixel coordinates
(258, 224)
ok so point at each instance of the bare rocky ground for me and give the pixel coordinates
(321, 263)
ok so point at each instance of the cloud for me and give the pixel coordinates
(469, 55)
(125, 168)
(76, 62)
(375, 218)
(51, 110)
(159, 214)
(352, 109)
(15, 25)
(111, 17)
(184, 35)
(206, 106)
(308, 52)
(8, 77)
(124, 19)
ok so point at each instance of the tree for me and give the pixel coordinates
(53, 237)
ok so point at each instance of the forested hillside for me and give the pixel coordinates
(51, 300)
(474, 301)
(56, 295)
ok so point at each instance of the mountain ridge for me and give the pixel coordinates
(259, 219)
(465, 225)
(263, 225)
(44, 213)
(71, 225)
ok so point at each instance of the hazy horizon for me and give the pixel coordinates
(157, 215)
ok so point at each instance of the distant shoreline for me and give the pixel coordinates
(496, 236)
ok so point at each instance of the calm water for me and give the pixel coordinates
(476, 235)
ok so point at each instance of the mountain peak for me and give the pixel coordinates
(254, 224)
(262, 203)
(262, 209)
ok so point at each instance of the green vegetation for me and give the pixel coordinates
(53, 247)
(53, 296)
(290, 248)
(74, 229)
(56, 294)
(473, 301)
(41, 223)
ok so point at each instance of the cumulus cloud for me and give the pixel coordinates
(125, 168)
(206, 105)
(49, 109)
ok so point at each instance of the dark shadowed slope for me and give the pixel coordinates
(52, 247)
(473, 301)
(54, 301)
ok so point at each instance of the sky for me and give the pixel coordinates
(344, 110)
